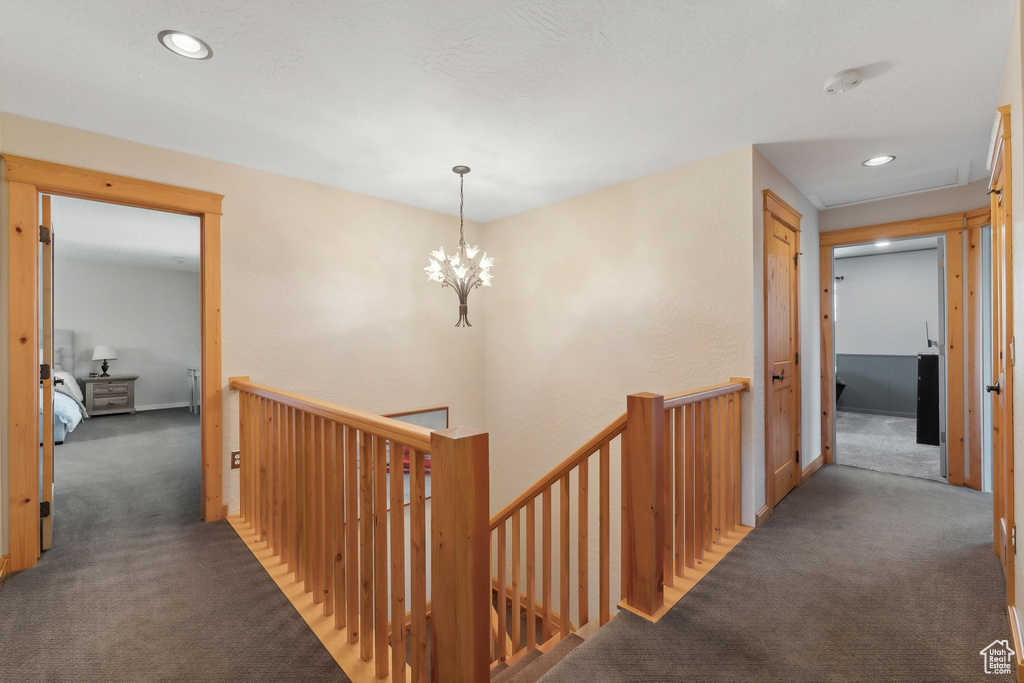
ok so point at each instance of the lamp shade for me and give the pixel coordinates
(104, 352)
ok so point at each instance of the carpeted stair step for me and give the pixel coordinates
(509, 673)
(531, 668)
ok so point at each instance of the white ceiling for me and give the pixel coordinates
(545, 100)
(893, 247)
(111, 234)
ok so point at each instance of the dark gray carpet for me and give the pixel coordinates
(884, 443)
(858, 576)
(136, 588)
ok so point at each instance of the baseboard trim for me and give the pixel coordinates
(811, 469)
(762, 516)
(5, 564)
(162, 406)
(335, 641)
(1018, 639)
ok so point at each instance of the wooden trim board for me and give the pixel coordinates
(812, 468)
(1018, 639)
(5, 566)
(683, 584)
(334, 640)
(27, 179)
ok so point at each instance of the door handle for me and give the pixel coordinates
(779, 377)
(992, 388)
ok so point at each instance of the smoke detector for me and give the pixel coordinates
(843, 81)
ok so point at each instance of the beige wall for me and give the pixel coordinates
(644, 286)
(954, 200)
(1011, 94)
(323, 290)
(767, 177)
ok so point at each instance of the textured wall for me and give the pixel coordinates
(150, 316)
(883, 302)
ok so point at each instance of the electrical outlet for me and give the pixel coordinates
(236, 459)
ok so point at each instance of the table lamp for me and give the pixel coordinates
(104, 353)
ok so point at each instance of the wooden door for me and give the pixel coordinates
(782, 376)
(46, 381)
(1004, 525)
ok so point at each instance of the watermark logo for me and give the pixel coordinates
(998, 657)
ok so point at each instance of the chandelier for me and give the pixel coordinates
(461, 270)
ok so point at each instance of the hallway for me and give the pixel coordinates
(858, 576)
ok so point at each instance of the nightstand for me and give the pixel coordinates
(110, 395)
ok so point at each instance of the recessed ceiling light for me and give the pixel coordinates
(185, 44)
(878, 161)
(883, 243)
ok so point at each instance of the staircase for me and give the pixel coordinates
(535, 664)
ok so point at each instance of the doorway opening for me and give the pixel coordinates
(122, 338)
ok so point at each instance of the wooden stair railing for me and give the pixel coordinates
(318, 494)
(680, 475)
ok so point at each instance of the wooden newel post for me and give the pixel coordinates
(460, 560)
(643, 502)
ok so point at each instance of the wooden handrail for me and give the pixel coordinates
(714, 391)
(410, 435)
(582, 453)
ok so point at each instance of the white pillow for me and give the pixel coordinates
(69, 380)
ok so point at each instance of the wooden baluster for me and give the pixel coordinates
(330, 551)
(716, 470)
(397, 563)
(243, 450)
(500, 599)
(736, 441)
(706, 434)
(366, 546)
(723, 468)
(563, 542)
(341, 558)
(418, 541)
(380, 545)
(285, 418)
(545, 572)
(583, 547)
(604, 554)
(301, 522)
(689, 490)
(352, 530)
(531, 573)
(260, 469)
(517, 636)
(265, 473)
(668, 520)
(643, 498)
(460, 562)
(319, 580)
(275, 478)
(680, 518)
(291, 513)
(309, 501)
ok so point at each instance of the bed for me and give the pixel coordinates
(68, 410)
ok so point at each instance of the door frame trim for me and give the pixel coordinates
(27, 179)
(946, 224)
(776, 207)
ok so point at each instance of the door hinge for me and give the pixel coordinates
(1013, 538)
(796, 259)
(44, 509)
(44, 234)
(797, 360)
(44, 372)
(798, 456)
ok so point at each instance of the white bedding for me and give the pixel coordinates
(66, 408)
(69, 382)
